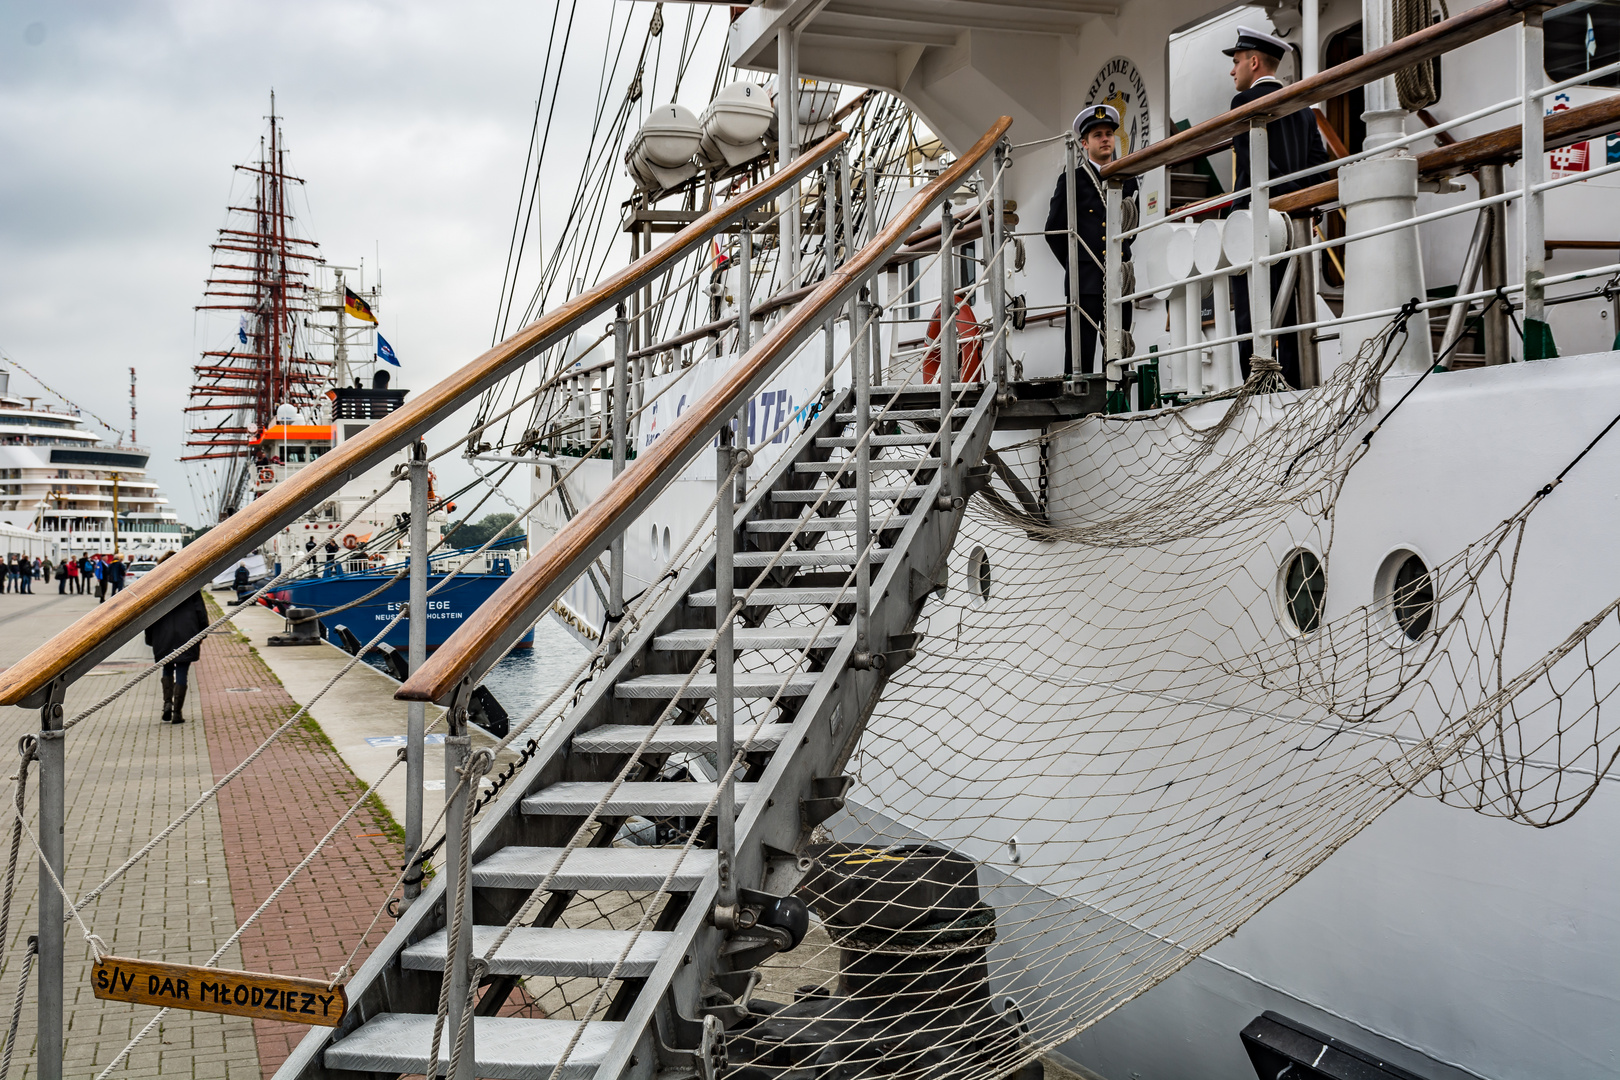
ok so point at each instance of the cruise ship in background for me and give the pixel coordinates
(69, 487)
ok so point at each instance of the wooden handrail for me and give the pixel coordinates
(95, 636)
(1431, 41)
(1502, 145)
(528, 594)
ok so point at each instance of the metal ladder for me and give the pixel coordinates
(805, 648)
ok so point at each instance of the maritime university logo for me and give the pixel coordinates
(1119, 84)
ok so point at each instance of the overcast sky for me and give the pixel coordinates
(120, 122)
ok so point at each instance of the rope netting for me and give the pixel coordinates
(1134, 724)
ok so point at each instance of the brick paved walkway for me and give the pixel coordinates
(272, 816)
(128, 776)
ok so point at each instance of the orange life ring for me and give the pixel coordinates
(351, 541)
(969, 346)
(267, 475)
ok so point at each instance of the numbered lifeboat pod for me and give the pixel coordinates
(817, 103)
(735, 125)
(1238, 241)
(660, 156)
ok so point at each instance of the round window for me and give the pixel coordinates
(979, 572)
(666, 543)
(654, 553)
(1304, 589)
(1412, 596)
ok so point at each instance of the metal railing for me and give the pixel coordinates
(1196, 364)
(458, 665)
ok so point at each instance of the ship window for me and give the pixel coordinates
(1580, 37)
(666, 543)
(653, 550)
(979, 572)
(295, 454)
(1412, 597)
(1303, 585)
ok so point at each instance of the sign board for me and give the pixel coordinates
(239, 993)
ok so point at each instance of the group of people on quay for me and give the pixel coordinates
(102, 575)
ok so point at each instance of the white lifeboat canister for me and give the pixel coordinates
(818, 101)
(735, 124)
(660, 156)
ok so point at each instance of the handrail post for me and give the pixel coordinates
(787, 134)
(869, 233)
(998, 269)
(829, 255)
(458, 889)
(1495, 269)
(51, 751)
(621, 405)
(1533, 166)
(1071, 163)
(416, 717)
(725, 698)
(1260, 219)
(947, 345)
(1113, 266)
(745, 286)
(861, 314)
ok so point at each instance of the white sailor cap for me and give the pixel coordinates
(1258, 41)
(1094, 116)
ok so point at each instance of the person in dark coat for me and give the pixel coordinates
(117, 570)
(173, 629)
(240, 579)
(1096, 127)
(1292, 143)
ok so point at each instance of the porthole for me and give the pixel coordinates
(1302, 590)
(652, 552)
(979, 572)
(666, 543)
(1405, 588)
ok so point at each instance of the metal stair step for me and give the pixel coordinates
(557, 951)
(504, 1047)
(576, 798)
(923, 388)
(801, 558)
(821, 524)
(877, 413)
(673, 738)
(848, 441)
(847, 494)
(746, 639)
(664, 687)
(766, 597)
(889, 464)
(596, 869)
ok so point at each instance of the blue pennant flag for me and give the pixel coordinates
(385, 351)
(241, 329)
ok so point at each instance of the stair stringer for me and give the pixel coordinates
(823, 736)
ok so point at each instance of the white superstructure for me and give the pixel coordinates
(66, 484)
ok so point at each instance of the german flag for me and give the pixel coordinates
(357, 308)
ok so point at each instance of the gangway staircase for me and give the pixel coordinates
(798, 645)
(611, 838)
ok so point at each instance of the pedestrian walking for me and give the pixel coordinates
(101, 579)
(30, 571)
(241, 580)
(70, 568)
(177, 626)
(84, 574)
(62, 576)
(117, 570)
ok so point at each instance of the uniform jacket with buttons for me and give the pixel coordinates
(1092, 216)
(1292, 141)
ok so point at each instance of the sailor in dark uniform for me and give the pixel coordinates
(1293, 143)
(1096, 127)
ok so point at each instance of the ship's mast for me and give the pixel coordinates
(237, 390)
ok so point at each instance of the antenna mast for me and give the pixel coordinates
(133, 438)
